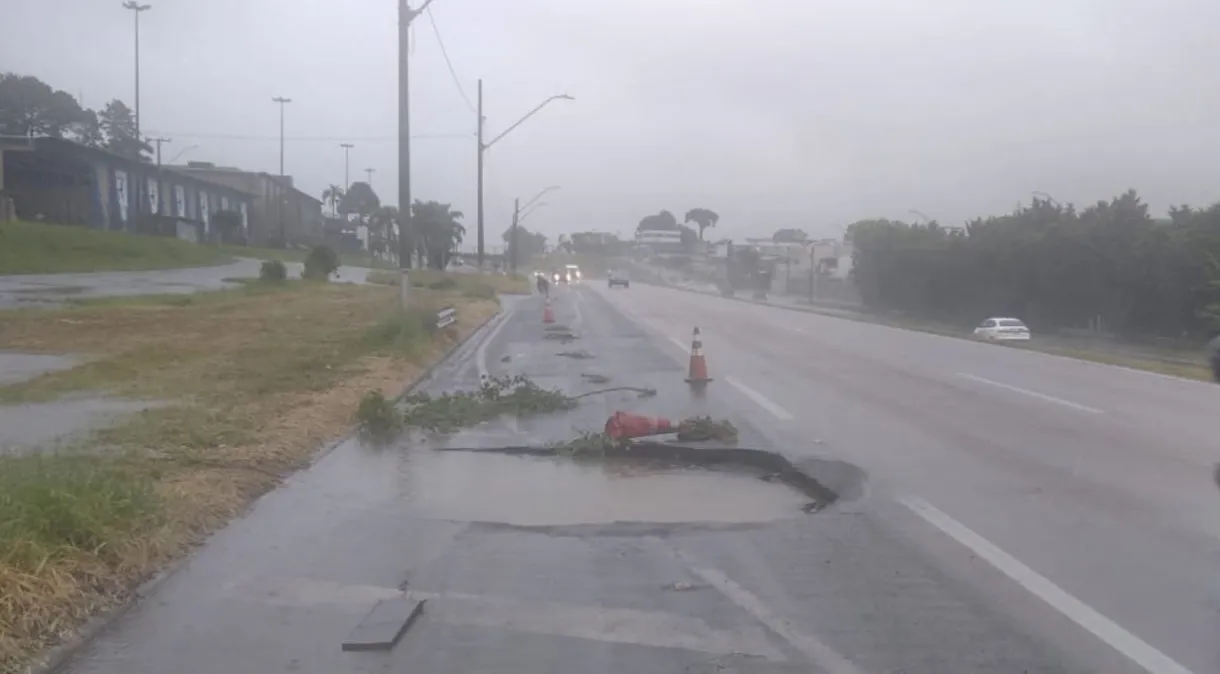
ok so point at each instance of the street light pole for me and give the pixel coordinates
(347, 149)
(136, 8)
(370, 172)
(512, 238)
(483, 147)
(282, 101)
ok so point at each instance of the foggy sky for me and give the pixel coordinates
(774, 113)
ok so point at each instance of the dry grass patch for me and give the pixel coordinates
(254, 379)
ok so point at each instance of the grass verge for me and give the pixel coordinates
(36, 248)
(255, 380)
(473, 285)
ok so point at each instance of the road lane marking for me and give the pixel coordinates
(481, 354)
(1032, 394)
(1134, 648)
(808, 645)
(762, 400)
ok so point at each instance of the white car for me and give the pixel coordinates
(1002, 330)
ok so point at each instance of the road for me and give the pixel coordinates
(975, 533)
(26, 290)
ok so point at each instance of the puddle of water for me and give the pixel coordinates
(41, 425)
(18, 367)
(554, 491)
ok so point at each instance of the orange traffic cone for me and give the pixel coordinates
(625, 425)
(698, 365)
(548, 316)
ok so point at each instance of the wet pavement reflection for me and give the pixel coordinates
(556, 491)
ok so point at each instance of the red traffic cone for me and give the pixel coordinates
(698, 365)
(548, 316)
(625, 425)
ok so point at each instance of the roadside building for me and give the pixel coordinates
(60, 181)
(281, 212)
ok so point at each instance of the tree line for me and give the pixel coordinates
(436, 229)
(29, 106)
(664, 220)
(1110, 266)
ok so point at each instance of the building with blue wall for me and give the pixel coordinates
(65, 182)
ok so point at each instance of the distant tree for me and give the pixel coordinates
(663, 221)
(382, 224)
(332, 195)
(118, 123)
(689, 237)
(438, 231)
(529, 244)
(228, 226)
(790, 236)
(702, 217)
(359, 200)
(88, 131)
(30, 106)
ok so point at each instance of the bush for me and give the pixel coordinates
(376, 414)
(443, 284)
(321, 262)
(273, 271)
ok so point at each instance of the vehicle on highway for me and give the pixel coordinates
(560, 276)
(618, 277)
(573, 272)
(1002, 330)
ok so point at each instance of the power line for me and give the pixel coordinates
(445, 53)
(327, 139)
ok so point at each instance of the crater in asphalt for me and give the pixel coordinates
(540, 491)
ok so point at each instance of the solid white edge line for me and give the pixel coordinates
(1134, 648)
(481, 355)
(762, 400)
(1032, 394)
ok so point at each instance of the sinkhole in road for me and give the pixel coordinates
(541, 491)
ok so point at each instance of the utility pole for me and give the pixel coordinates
(405, 16)
(483, 147)
(136, 8)
(347, 156)
(370, 172)
(282, 101)
(158, 141)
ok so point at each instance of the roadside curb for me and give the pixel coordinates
(53, 659)
(774, 463)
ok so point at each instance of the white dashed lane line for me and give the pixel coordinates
(1033, 394)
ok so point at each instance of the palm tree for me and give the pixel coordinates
(331, 195)
(438, 231)
(381, 229)
(703, 217)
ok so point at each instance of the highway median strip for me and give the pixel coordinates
(250, 382)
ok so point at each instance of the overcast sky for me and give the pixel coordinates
(774, 113)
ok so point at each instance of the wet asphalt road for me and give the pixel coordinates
(32, 290)
(548, 565)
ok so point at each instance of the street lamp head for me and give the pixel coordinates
(281, 100)
(135, 6)
(566, 97)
